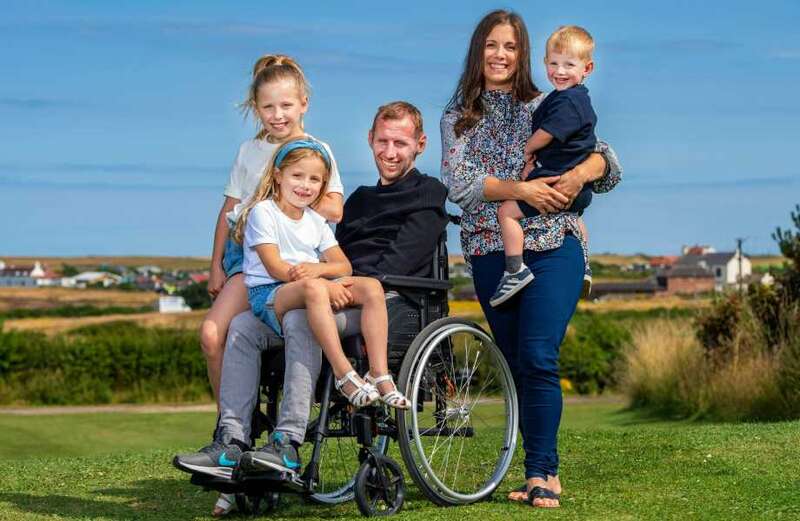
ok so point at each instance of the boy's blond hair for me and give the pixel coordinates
(572, 40)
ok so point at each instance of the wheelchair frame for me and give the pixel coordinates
(419, 361)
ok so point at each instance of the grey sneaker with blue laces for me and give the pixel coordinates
(217, 459)
(510, 285)
(279, 454)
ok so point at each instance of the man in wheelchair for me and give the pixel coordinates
(392, 228)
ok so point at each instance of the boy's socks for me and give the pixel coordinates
(513, 263)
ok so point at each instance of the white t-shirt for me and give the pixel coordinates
(298, 241)
(251, 163)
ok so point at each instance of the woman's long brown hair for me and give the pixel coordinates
(467, 97)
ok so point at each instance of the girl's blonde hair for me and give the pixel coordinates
(268, 186)
(269, 68)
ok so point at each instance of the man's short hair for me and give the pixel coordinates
(571, 39)
(398, 110)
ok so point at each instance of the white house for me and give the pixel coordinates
(172, 304)
(82, 280)
(725, 266)
(21, 276)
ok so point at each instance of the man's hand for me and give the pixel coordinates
(339, 291)
(305, 270)
(539, 194)
(216, 280)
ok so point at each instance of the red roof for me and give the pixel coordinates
(664, 260)
(197, 278)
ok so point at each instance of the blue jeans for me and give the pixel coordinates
(232, 258)
(262, 299)
(529, 329)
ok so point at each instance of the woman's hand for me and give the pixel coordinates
(340, 293)
(570, 184)
(539, 194)
(216, 280)
(305, 270)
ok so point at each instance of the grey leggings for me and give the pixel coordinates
(241, 369)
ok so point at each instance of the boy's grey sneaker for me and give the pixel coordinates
(218, 459)
(279, 454)
(510, 285)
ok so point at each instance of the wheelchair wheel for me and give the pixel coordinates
(339, 457)
(379, 487)
(257, 505)
(459, 436)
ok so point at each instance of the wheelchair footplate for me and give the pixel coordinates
(252, 483)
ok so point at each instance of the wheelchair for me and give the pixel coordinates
(457, 440)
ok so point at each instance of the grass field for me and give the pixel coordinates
(55, 325)
(16, 298)
(191, 320)
(615, 465)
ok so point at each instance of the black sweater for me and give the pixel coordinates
(394, 229)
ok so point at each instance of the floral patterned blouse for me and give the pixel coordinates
(494, 147)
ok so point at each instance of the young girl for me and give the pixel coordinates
(283, 241)
(278, 96)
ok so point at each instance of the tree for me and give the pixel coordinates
(789, 244)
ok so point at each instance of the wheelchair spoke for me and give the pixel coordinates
(465, 402)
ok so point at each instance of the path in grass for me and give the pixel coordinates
(615, 465)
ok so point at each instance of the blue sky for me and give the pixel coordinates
(118, 120)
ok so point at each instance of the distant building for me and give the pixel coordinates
(697, 249)
(686, 280)
(172, 304)
(724, 267)
(622, 289)
(148, 270)
(87, 278)
(21, 276)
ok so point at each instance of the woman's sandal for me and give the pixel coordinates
(543, 493)
(393, 398)
(364, 393)
(225, 503)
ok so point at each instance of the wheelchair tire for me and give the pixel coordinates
(458, 437)
(379, 487)
(339, 463)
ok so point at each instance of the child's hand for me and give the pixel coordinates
(339, 293)
(527, 169)
(530, 150)
(305, 270)
(216, 280)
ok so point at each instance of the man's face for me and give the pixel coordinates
(394, 147)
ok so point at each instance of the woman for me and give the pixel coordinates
(484, 130)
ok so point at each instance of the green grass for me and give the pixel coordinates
(615, 465)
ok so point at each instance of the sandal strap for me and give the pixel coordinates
(225, 503)
(542, 493)
(363, 393)
(374, 381)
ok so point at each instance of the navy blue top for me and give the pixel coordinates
(569, 117)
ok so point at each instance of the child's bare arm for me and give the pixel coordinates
(539, 140)
(330, 207)
(336, 265)
(271, 259)
(217, 275)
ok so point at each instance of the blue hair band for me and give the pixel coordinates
(302, 143)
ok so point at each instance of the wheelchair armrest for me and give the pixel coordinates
(402, 281)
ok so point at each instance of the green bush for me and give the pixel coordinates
(116, 362)
(745, 359)
(590, 350)
(196, 295)
(73, 311)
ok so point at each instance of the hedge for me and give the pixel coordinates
(108, 363)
